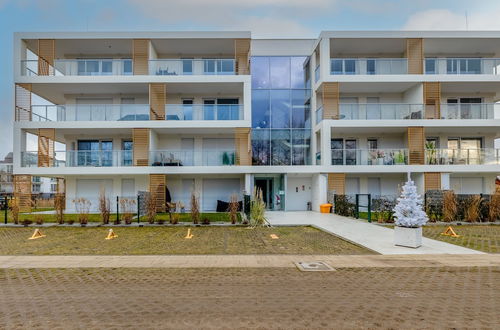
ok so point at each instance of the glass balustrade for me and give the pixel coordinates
(181, 67)
(368, 66)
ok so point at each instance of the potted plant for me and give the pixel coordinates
(399, 158)
(380, 157)
(409, 217)
(430, 148)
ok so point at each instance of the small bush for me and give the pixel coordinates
(104, 206)
(473, 210)
(233, 208)
(82, 206)
(39, 219)
(258, 209)
(14, 209)
(342, 206)
(494, 206)
(175, 218)
(59, 201)
(127, 206)
(195, 208)
(205, 221)
(151, 208)
(450, 206)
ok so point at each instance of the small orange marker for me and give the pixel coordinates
(450, 232)
(111, 235)
(37, 234)
(274, 236)
(189, 235)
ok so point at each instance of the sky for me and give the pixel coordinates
(265, 18)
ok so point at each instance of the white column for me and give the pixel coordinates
(324, 57)
(319, 190)
(248, 183)
(326, 151)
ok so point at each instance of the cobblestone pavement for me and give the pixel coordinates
(231, 298)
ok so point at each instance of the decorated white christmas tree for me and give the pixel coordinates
(409, 211)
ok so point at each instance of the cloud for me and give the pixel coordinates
(262, 17)
(444, 19)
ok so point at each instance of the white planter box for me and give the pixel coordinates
(408, 237)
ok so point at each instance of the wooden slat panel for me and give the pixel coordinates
(140, 137)
(336, 181)
(157, 184)
(46, 55)
(140, 56)
(22, 192)
(432, 181)
(415, 55)
(416, 144)
(46, 139)
(157, 101)
(242, 56)
(432, 100)
(243, 146)
(23, 102)
(330, 93)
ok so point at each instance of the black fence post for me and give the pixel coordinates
(117, 209)
(357, 206)
(138, 208)
(369, 207)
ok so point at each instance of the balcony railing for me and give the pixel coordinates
(204, 112)
(369, 157)
(180, 67)
(192, 158)
(468, 111)
(90, 112)
(365, 111)
(79, 67)
(81, 158)
(368, 66)
(462, 66)
(484, 156)
(319, 115)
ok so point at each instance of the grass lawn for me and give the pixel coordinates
(170, 240)
(481, 237)
(183, 217)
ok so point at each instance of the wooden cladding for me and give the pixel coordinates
(432, 100)
(415, 55)
(23, 102)
(242, 56)
(22, 192)
(416, 144)
(46, 55)
(243, 146)
(336, 182)
(46, 140)
(330, 93)
(157, 101)
(157, 189)
(140, 137)
(140, 56)
(432, 181)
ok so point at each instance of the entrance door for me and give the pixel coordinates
(266, 185)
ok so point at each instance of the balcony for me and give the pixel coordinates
(183, 67)
(467, 111)
(484, 156)
(133, 112)
(192, 158)
(462, 66)
(78, 67)
(368, 66)
(81, 158)
(369, 111)
(369, 157)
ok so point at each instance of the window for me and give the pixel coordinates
(127, 67)
(430, 66)
(209, 109)
(280, 147)
(372, 144)
(187, 66)
(370, 66)
(128, 149)
(280, 72)
(95, 153)
(187, 109)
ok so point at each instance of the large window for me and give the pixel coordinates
(281, 110)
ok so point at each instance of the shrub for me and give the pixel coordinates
(175, 218)
(450, 206)
(205, 221)
(14, 209)
(104, 206)
(59, 201)
(258, 209)
(151, 208)
(127, 206)
(472, 211)
(39, 219)
(82, 206)
(494, 206)
(233, 208)
(342, 206)
(195, 208)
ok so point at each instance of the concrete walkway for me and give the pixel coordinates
(371, 236)
(249, 261)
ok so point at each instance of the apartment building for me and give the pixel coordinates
(221, 113)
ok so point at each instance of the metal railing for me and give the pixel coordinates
(362, 111)
(204, 112)
(484, 156)
(462, 66)
(192, 157)
(368, 66)
(370, 157)
(179, 67)
(81, 158)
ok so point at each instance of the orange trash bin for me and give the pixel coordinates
(325, 208)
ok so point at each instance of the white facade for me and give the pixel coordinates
(92, 96)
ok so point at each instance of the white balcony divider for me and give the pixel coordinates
(363, 111)
(462, 66)
(180, 67)
(484, 156)
(368, 66)
(204, 112)
(192, 157)
(370, 157)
